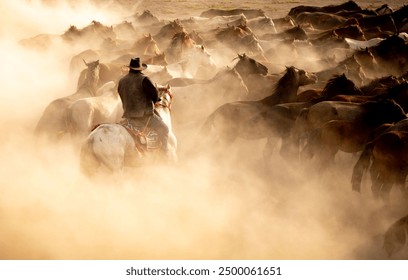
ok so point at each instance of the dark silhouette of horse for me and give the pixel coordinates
(233, 120)
(337, 85)
(395, 237)
(385, 154)
(346, 6)
(392, 55)
(350, 132)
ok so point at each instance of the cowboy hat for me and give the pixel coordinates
(135, 64)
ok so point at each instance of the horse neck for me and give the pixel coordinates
(164, 113)
(285, 92)
(90, 83)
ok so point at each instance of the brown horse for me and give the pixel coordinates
(180, 45)
(233, 120)
(251, 72)
(337, 85)
(95, 32)
(249, 13)
(349, 134)
(386, 154)
(392, 55)
(165, 35)
(346, 6)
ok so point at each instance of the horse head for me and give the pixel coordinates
(340, 85)
(165, 95)
(305, 77)
(247, 65)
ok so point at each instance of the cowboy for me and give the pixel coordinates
(138, 95)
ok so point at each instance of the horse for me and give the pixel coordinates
(166, 33)
(395, 237)
(144, 47)
(196, 62)
(233, 120)
(95, 32)
(385, 154)
(249, 13)
(84, 114)
(201, 97)
(146, 18)
(251, 71)
(346, 6)
(350, 135)
(320, 20)
(112, 147)
(180, 45)
(293, 33)
(262, 24)
(392, 54)
(337, 85)
(53, 120)
(236, 39)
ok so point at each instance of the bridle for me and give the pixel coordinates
(166, 97)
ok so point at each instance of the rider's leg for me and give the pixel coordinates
(157, 123)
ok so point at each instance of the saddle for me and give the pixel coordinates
(146, 138)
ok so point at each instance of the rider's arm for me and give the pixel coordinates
(150, 89)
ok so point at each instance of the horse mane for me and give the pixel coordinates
(334, 83)
(290, 78)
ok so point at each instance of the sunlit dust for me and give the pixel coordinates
(230, 207)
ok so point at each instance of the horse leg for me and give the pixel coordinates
(400, 181)
(377, 179)
(269, 149)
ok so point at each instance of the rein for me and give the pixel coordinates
(168, 105)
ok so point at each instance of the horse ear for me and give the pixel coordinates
(168, 86)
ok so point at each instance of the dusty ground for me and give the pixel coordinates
(229, 209)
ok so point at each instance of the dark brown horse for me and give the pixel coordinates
(346, 6)
(386, 154)
(338, 85)
(349, 134)
(392, 55)
(233, 120)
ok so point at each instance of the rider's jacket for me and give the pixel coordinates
(138, 95)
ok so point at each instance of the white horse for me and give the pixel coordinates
(52, 123)
(197, 62)
(112, 147)
(84, 114)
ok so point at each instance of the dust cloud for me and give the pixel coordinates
(231, 207)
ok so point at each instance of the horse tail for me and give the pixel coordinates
(361, 166)
(88, 160)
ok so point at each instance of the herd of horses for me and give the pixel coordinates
(319, 81)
